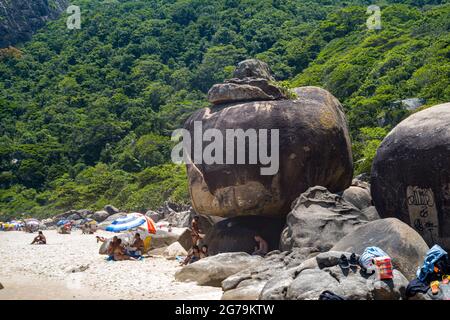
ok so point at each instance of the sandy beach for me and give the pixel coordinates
(46, 271)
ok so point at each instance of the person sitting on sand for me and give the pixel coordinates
(192, 257)
(137, 248)
(119, 252)
(195, 231)
(40, 239)
(204, 251)
(262, 248)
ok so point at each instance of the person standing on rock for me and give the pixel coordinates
(195, 231)
(262, 248)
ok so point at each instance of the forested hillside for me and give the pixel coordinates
(86, 115)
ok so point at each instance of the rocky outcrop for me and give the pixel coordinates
(411, 174)
(237, 234)
(211, 271)
(276, 267)
(353, 285)
(318, 220)
(111, 209)
(314, 149)
(19, 19)
(404, 245)
(253, 68)
(101, 216)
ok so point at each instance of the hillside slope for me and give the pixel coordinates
(86, 115)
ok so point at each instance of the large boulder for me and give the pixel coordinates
(411, 174)
(318, 220)
(111, 209)
(314, 149)
(404, 245)
(359, 197)
(232, 92)
(211, 271)
(237, 234)
(100, 216)
(174, 250)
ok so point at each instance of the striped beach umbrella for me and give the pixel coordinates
(132, 221)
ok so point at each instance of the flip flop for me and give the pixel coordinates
(434, 287)
(343, 262)
(353, 260)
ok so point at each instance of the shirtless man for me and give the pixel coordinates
(119, 252)
(195, 231)
(40, 239)
(262, 248)
(137, 248)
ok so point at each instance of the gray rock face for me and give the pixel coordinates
(111, 209)
(411, 174)
(253, 68)
(371, 213)
(155, 216)
(314, 150)
(359, 197)
(237, 234)
(318, 220)
(100, 216)
(211, 271)
(19, 19)
(231, 92)
(405, 246)
(269, 273)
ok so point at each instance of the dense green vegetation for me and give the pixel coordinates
(86, 115)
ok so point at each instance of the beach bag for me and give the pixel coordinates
(384, 267)
(366, 259)
(431, 257)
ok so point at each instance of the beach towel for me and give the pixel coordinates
(431, 258)
(366, 259)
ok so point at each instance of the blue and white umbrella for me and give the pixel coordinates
(131, 221)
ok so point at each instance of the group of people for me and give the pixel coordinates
(118, 252)
(196, 252)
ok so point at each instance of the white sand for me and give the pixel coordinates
(44, 271)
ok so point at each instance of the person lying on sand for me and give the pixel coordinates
(119, 252)
(192, 257)
(262, 248)
(40, 239)
(137, 247)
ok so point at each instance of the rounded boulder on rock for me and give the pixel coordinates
(314, 149)
(411, 174)
(404, 245)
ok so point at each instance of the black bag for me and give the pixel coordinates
(328, 295)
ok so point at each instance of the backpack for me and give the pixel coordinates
(431, 258)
